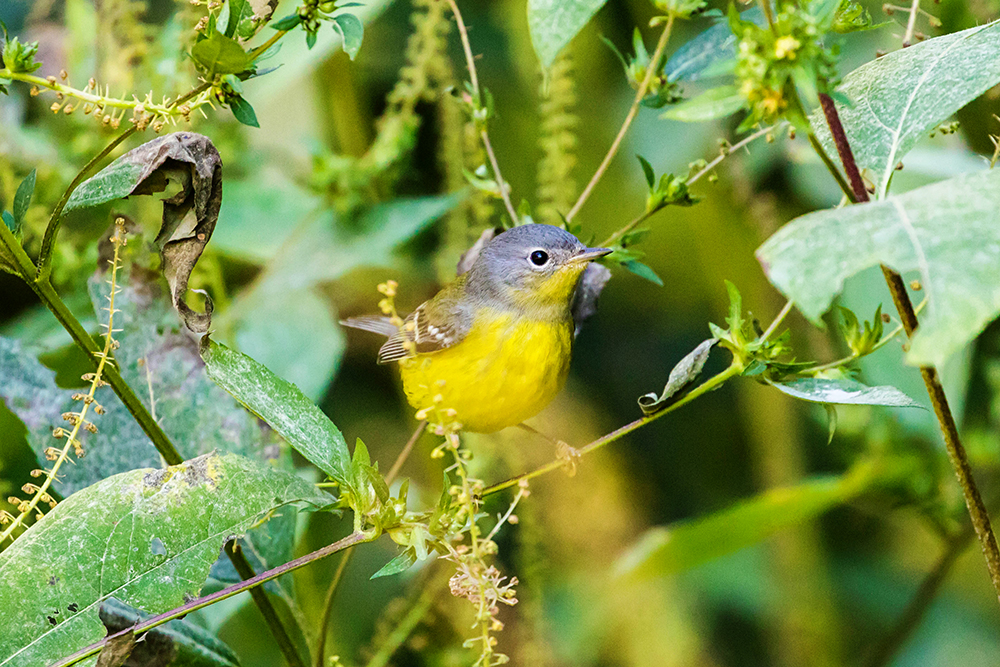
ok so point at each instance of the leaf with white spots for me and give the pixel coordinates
(898, 98)
(947, 235)
(146, 537)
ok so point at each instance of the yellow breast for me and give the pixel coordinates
(504, 371)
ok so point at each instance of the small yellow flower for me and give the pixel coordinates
(786, 47)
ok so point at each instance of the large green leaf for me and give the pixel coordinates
(687, 544)
(554, 23)
(151, 536)
(898, 98)
(282, 405)
(949, 233)
(844, 392)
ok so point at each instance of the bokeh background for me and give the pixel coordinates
(825, 592)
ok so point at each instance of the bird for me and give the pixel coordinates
(493, 347)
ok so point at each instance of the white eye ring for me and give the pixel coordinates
(538, 257)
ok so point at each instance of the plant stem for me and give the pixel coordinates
(776, 322)
(828, 163)
(200, 603)
(707, 168)
(946, 421)
(918, 606)
(48, 295)
(405, 452)
(470, 62)
(653, 68)
(49, 237)
(324, 620)
(267, 610)
(911, 23)
(765, 6)
(712, 383)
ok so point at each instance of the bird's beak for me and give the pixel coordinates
(590, 254)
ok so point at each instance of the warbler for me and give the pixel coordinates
(494, 345)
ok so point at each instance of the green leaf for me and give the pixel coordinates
(684, 373)
(282, 406)
(554, 23)
(898, 98)
(948, 232)
(351, 30)
(401, 563)
(190, 645)
(647, 170)
(287, 23)
(687, 544)
(220, 54)
(155, 356)
(310, 39)
(243, 111)
(697, 58)
(844, 392)
(643, 271)
(241, 22)
(713, 103)
(22, 198)
(151, 536)
(8, 219)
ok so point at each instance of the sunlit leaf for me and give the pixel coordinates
(844, 392)
(243, 111)
(58, 570)
(401, 563)
(898, 98)
(282, 406)
(948, 233)
(352, 31)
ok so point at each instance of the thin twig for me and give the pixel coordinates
(338, 575)
(200, 603)
(911, 23)
(470, 62)
(324, 620)
(921, 602)
(405, 452)
(776, 322)
(403, 630)
(712, 383)
(638, 220)
(653, 68)
(49, 237)
(267, 610)
(946, 420)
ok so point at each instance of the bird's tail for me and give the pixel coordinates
(373, 323)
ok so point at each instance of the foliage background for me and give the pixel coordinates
(823, 592)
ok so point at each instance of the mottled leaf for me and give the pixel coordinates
(687, 544)
(948, 233)
(844, 392)
(192, 161)
(282, 405)
(554, 23)
(56, 569)
(684, 373)
(700, 56)
(898, 98)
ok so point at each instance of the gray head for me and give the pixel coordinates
(533, 266)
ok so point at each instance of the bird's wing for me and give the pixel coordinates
(435, 325)
(373, 323)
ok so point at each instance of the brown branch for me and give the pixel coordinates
(200, 603)
(946, 421)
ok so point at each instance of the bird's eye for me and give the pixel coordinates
(539, 257)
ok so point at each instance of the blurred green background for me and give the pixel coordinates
(827, 592)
